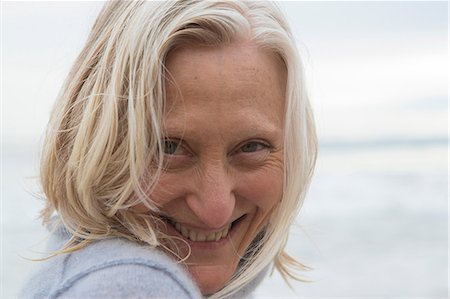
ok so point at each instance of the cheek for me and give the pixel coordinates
(169, 186)
(263, 188)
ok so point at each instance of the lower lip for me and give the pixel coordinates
(207, 245)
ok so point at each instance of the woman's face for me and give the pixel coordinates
(223, 154)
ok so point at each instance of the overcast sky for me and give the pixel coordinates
(374, 69)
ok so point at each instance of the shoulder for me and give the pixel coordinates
(118, 268)
(125, 279)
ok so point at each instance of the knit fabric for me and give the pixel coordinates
(113, 268)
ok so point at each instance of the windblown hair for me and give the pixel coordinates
(106, 127)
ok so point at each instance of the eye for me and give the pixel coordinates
(176, 154)
(252, 153)
(173, 147)
(253, 146)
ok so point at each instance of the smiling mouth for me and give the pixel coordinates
(202, 236)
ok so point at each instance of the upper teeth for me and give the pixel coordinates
(198, 236)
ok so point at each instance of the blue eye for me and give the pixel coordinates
(172, 147)
(253, 146)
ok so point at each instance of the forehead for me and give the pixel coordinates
(233, 83)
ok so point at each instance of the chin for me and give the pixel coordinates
(210, 279)
(212, 263)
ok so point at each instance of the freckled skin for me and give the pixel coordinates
(218, 100)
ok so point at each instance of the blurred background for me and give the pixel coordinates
(375, 223)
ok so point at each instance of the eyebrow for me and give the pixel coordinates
(266, 131)
(251, 125)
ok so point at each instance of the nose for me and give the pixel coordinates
(213, 202)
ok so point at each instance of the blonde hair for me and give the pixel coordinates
(105, 129)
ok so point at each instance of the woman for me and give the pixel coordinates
(178, 154)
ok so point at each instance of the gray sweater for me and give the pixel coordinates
(113, 268)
